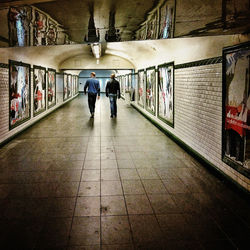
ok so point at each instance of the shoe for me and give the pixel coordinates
(111, 116)
(92, 115)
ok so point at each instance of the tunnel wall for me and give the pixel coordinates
(198, 110)
(5, 132)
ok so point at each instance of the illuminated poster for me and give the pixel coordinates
(166, 93)
(236, 113)
(65, 87)
(166, 28)
(150, 89)
(141, 87)
(69, 86)
(51, 88)
(39, 28)
(19, 29)
(39, 90)
(19, 87)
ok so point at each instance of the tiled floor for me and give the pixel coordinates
(71, 182)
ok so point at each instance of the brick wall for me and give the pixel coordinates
(198, 114)
(5, 133)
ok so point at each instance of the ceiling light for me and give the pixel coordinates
(96, 50)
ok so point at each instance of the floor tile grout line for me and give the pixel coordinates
(131, 232)
(154, 213)
(70, 230)
(227, 236)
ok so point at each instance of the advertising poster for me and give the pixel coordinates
(39, 90)
(51, 36)
(51, 88)
(141, 87)
(166, 93)
(126, 83)
(150, 89)
(65, 87)
(151, 27)
(19, 26)
(73, 85)
(39, 28)
(19, 87)
(236, 104)
(122, 86)
(142, 33)
(166, 29)
(134, 79)
(69, 86)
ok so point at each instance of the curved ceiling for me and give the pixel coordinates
(123, 55)
(83, 20)
(75, 16)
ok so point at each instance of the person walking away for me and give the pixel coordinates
(113, 91)
(93, 86)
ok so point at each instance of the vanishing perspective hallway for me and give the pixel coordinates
(71, 182)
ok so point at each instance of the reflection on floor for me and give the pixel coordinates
(71, 182)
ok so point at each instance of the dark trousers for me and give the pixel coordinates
(91, 101)
(235, 145)
(113, 105)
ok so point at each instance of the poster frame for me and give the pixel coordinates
(45, 79)
(52, 70)
(143, 92)
(171, 124)
(146, 83)
(226, 159)
(18, 63)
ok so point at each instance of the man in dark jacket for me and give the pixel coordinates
(113, 91)
(93, 86)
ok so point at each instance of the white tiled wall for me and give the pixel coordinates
(5, 133)
(198, 114)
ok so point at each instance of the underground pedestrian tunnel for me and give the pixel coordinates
(171, 171)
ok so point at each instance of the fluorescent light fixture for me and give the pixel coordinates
(96, 50)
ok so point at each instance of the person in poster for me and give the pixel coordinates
(65, 89)
(166, 21)
(237, 117)
(19, 93)
(150, 90)
(19, 21)
(69, 88)
(39, 29)
(166, 93)
(51, 88)
(51, 34)
(141, 79)
(39, 90)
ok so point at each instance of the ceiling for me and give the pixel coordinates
(75, 15)
(192, 18)
(123, 55)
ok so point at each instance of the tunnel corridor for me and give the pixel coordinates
(71, 182)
